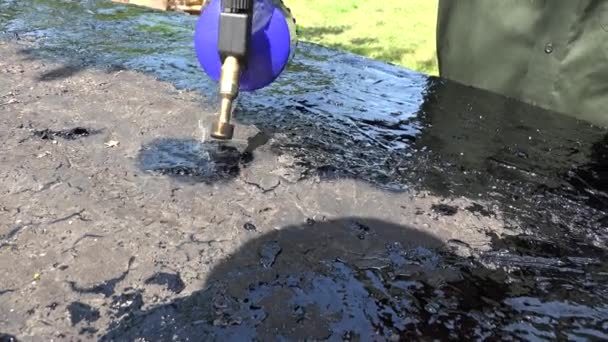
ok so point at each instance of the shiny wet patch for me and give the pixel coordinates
(67, 134)
(191, 160)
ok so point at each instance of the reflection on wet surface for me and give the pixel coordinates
(340, 115)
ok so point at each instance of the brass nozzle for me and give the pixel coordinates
(229, 90)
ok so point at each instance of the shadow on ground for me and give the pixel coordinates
(364, 279)
(315, 280)
(60, 73)
(71, 66)
(356, 118)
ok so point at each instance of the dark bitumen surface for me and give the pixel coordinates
(69, 134)
(80, 312)
(7, 338)
(191, 160)
(342, 116)
(172, 282)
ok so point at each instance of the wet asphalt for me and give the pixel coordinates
(336, 117)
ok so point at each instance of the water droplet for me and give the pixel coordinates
(204, 131)
(549, 48)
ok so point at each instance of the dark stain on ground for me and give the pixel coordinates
(67, 134)
(173, 282)
(88, 331)
(397, 284)
(7, 338)
(107, 287)
(6, 291)
(127, 302)
(80, 312)
(444, 209)
(260, 139)
(85, 236)
(69, 217)
(249, 226)
(191, 160)
(4, 239)
(479, 209)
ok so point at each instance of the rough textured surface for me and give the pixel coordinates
(358, 200)
(76, 211)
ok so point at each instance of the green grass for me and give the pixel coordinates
(396, 31)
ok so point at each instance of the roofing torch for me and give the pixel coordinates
(244, 45)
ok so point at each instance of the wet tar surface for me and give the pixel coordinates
(336, 116)
(69, 134)
(191, 160)
(173, 282)
(80, 312)
(126, 303)
(7, 338)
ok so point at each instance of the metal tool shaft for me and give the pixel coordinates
(229, 90)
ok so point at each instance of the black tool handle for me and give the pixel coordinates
(235, 28)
